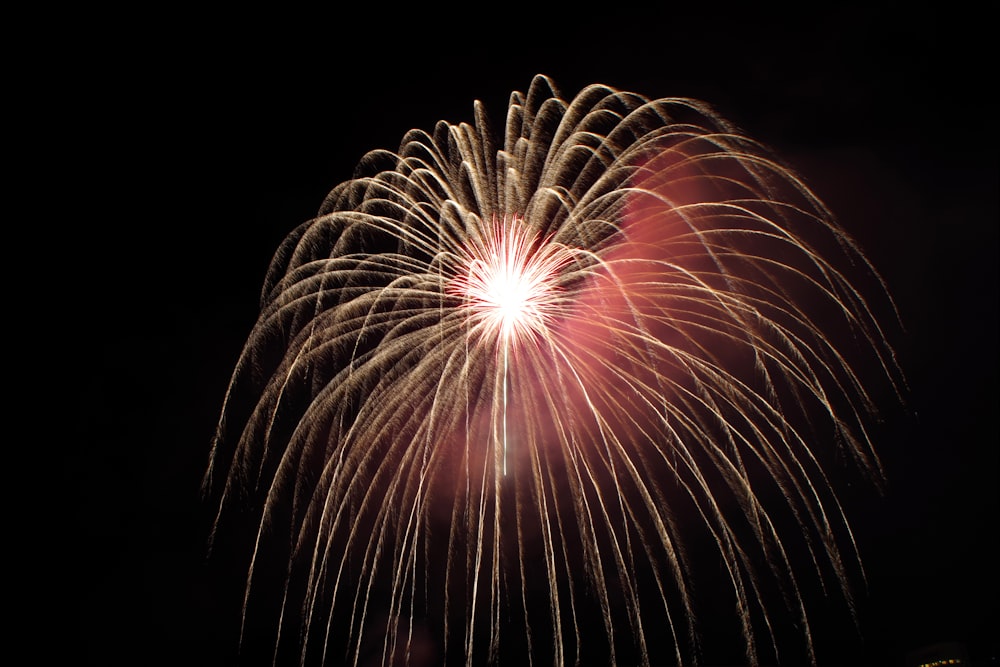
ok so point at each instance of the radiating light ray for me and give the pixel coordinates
(501, 394)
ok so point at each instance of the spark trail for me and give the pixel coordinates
(496, 397)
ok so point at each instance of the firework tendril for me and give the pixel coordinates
(495, 396)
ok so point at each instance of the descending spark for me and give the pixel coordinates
(497, 397)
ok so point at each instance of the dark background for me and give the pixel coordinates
(202, 138)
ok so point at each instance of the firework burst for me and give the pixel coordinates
(493, 394)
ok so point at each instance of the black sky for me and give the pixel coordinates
(204, 138)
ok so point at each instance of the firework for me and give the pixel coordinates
(494, 395)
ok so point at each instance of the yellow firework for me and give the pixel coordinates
(494, 393)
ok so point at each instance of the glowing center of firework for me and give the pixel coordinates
(506, 295)
(510, 282)
(509, 288)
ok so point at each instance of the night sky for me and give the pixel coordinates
(205, 138)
